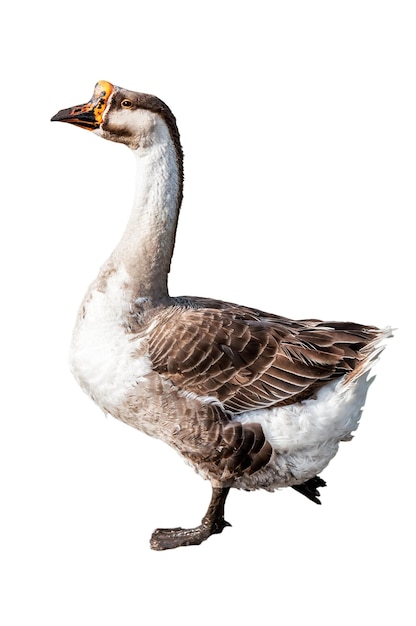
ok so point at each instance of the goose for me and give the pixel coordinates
(251, 400)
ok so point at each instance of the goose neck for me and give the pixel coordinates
(147, 244)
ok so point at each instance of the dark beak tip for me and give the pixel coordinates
(61, 116)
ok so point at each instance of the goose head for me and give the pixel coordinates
(129, 117)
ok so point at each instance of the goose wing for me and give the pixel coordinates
(247, 359)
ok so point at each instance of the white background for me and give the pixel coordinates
(298, 125)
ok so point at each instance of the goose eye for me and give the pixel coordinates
(126, 104)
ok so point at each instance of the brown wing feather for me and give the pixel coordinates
(248, 359)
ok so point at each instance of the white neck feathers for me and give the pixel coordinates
(147, 244)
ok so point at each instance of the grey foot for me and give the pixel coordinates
(212, 523)
(168, 538)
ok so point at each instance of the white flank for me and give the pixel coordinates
(307, 433)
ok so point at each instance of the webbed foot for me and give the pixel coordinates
(213, 523)
(309, 489)
(168, 538)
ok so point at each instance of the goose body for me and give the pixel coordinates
(250, 399)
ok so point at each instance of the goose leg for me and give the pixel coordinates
(310, 488)
(212, 523)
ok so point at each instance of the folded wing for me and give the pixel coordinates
(248, 359)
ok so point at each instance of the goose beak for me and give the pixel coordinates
(89, 115)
